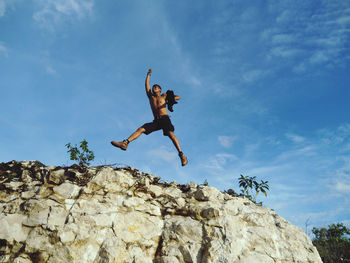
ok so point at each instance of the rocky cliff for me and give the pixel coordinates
(109, 214)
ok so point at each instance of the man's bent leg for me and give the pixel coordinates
(136, 134)
(124, 144)
(176, 143)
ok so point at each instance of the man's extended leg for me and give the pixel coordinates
(124, 144)
(176, 143)
(136, 134)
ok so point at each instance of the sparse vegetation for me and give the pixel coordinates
(332, 243)
(83, 155)
(205, 183)
(248, 185)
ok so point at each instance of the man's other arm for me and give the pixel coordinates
(147, 86)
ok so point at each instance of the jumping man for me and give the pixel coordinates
(161, 119)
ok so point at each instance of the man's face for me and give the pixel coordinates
(156, 89)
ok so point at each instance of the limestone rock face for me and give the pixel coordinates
(108, 214)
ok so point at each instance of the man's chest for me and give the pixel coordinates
(157, 101)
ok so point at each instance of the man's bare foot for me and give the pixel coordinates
(122, 145)
(183, 158)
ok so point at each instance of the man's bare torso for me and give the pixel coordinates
(158, 105)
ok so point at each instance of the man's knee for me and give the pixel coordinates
(171, 134)
(141, 130)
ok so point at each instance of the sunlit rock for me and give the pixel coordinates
(106, 214)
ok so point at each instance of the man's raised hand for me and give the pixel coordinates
(149, 71)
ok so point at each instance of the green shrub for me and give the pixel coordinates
(82, 156)
(332, 243)
(248, 185)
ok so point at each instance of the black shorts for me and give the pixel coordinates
(163, 123)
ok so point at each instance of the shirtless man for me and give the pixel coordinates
(161, 120)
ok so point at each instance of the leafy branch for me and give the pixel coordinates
(249, 184)
(82, 155)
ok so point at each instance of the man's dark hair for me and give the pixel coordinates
(156, 85)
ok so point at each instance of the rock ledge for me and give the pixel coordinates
(110, 214)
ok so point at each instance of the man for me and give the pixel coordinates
(161, 119)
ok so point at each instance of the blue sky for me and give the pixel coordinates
(264, 87)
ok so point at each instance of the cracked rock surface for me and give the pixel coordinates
(107, 214)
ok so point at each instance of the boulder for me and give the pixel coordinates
(106, 214)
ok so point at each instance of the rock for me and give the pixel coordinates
(13, 185)
(67, 236)
(57, 217)
(25, 259)
(57, 176)
(207, 193)
(210, 213)
(38, 213)
(155, 190)
(11, 228)
(27, 194)
(67, 190)
(53, 214)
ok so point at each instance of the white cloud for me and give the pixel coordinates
(193, 80)
(284, 52)
(344, 20)
(163, 153)
(317, 39)
(342, 187)
(226, 141)
(3, 50)
(50, 70)
(338, 136)
(300, 68)
(319, 57)
(341, 177)
(295, 138)
(2, 7)
(52, 13)
(5, 5)
(224, 157)
(304, 152)
(254, 75)
(283, 38)
(217, 162)
(264, 171)
(346, 148)
(284, 17)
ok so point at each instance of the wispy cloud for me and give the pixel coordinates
(2, 7)
(295, 138)
(3, 50)
(309, 150)
(337, 136)
(163, 153)
(226, 141)
(311, 38)
(52, 13)
(5, 5)
(254, 75)
(50, 70)
(283, 52)
(342, 187)
(313, 170)
(217, 163)
(339, 182)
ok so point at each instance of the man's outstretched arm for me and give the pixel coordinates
(148, 87)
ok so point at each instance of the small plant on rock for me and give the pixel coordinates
(83, 155)
(248, 184)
